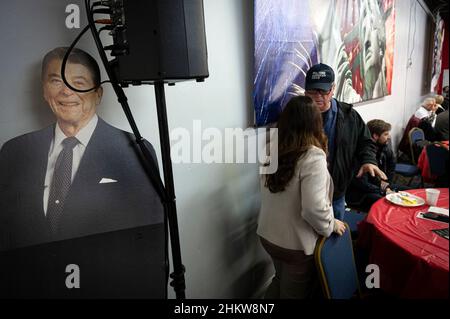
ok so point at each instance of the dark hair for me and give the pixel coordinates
(299, 128)
(378, 127)
(77, 56)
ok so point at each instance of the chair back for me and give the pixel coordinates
(415, 135)
(336, 266)
(437, 159)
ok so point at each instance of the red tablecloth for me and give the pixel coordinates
(413, 260)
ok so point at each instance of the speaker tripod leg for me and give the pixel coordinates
(178, 274)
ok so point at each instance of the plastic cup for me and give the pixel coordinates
(432, 196)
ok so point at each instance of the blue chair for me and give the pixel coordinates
(409, 171)
(336, 267)
(352, 217)
(415, 135)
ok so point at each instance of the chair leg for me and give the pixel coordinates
(410, 181)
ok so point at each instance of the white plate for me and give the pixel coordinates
(405, 199)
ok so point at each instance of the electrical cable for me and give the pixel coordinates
(168, 198)
(66, 57)
(414, 32)
(105, 28)
(101, 11)
(64, 62)
(408, 65)
(119, 92)
(122, 99)
(100, 3)
(150, 166)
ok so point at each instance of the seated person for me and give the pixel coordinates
(435, 129)
(445, 93)
(441, 127)
(426, 110)
(439, 101)
(427, 126)
(366, 190)
(427, 115)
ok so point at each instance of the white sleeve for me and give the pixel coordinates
(317, 209)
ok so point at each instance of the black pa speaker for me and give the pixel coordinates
(159, 40)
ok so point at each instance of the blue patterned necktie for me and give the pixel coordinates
(60, 185)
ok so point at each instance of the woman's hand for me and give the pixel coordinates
(339, 227)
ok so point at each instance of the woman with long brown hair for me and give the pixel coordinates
(296, 201)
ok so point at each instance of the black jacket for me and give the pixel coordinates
(441, 127)
(368, 184)
(353, 144)
(386, 161)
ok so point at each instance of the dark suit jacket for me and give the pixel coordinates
(91, 207)
(441, 127)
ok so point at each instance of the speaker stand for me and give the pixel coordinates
(177, 276)
(166, 192)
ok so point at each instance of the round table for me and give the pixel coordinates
(413, 260)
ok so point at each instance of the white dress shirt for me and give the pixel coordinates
(83, 136)
(422, 112)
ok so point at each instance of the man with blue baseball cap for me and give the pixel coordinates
(349, 140)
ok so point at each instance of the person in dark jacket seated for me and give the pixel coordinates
(445, 94)
(441, 127)
(438, 131)
(366, 190)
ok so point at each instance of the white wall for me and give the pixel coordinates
(217, 203)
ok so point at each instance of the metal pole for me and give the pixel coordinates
(178, 282)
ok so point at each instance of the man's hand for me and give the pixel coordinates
(384, 186)
(373, 170)
(339, 227)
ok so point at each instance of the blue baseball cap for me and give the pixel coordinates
(319, 77)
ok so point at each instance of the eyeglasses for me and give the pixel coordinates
(318, 91)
